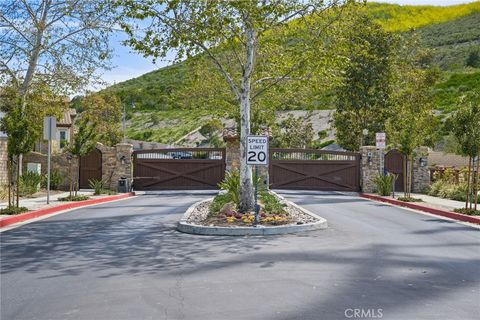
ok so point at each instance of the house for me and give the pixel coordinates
(63, 136)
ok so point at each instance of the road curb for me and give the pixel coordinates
(71, 205)
(438, 212)
(186, 227)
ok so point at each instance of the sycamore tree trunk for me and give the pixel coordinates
(246, 185)
(32, 64)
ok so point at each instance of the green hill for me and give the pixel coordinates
(453, 34)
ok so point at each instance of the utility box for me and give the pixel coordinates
(123, 185)
(34, 167)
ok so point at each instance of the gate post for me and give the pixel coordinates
(124, 167)
(421, 173)
(369, 168)
(232, 149)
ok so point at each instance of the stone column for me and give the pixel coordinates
(232, 142)
(3, 161)
(421, 173)
(369, 168)
(232, 149)
(123, 164)
(109, 164)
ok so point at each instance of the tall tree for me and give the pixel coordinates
(363, 97)
(413, 122)
(61, 42)
(23, 128)
(83, 142)
(465, 126)
(104, 111)
(205, 27)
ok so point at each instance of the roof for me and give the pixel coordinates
(67, 118)
(440, 159)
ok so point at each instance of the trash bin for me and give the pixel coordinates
(123, 185)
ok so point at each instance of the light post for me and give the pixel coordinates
(124, 120)
(364, 136)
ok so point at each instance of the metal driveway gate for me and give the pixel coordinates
(314, 169)
(178, 169)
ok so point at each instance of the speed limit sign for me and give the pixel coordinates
(257, 150)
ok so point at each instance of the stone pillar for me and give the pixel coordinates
(421, 173)
(3, 161)
(232, 149)
(232, 160)
(369, 168)
(123, 164)
(109, 164)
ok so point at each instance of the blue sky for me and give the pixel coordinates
(128, 65)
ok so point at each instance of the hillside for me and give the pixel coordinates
(453, 34)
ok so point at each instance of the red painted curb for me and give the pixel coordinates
(41, 212)
(438, 212)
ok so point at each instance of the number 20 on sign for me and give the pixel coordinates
(257, 150)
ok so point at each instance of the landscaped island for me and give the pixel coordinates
(220, 215)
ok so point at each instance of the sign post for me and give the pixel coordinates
(49, 130)
(257, 155)
(380, 142)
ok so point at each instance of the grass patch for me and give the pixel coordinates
(409, 199)
(470, 212)
(13, 210)
(74, 198)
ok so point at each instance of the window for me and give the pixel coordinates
(63, 138)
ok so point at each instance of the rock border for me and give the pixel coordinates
(192, 228)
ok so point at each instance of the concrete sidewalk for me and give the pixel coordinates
(41, 202)
(438, 202)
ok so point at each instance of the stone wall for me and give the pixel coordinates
(370, 167)
(3, 161)
(59, 163)
(116, 163)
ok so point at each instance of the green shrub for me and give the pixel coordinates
(96, 185)
(435, 187)
(470, 212)
(3, 191)
(409, 199)
(270, 203)
(56, 179)
(448, 190)
(231, 184)
(13, 210)
(30, 183)
(384, 184)
(219, 201)
(74, 198)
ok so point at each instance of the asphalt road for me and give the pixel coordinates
(124, 260)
